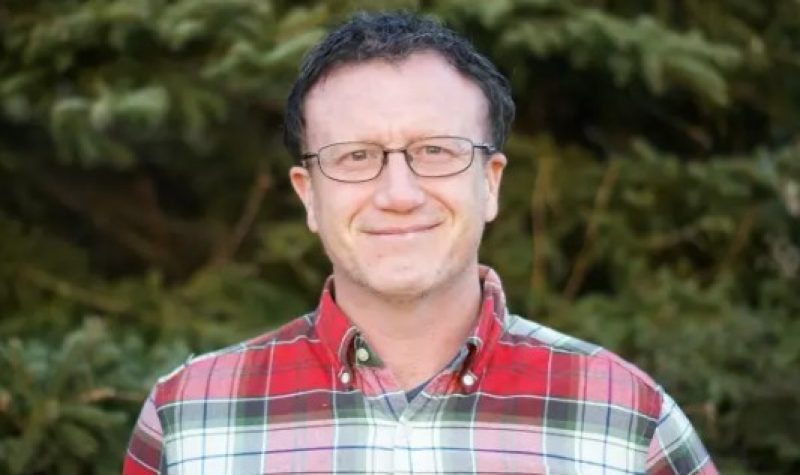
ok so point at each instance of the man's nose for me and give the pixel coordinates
(398, 186)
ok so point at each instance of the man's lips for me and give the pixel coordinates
(400, 230)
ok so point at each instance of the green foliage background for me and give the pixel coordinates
(651, 203)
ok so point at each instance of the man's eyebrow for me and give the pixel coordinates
(412, 137)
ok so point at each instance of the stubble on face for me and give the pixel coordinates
(355, 269)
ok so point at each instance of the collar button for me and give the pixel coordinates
(468, 380)
(362, 354)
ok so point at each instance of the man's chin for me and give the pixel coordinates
(399, 288)
(400, 282)
(395, 281)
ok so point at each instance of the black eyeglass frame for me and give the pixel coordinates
(488, 148)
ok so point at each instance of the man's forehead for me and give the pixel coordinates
(390, 60)
(431, 61)
(421, 87)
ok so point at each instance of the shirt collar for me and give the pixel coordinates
(334, 328)
(337, 332)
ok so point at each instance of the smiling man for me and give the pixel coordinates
(411, 362)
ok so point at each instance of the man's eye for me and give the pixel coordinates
(438, 152)
(358, 155)
(355, 156)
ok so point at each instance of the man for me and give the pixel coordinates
(411, 362)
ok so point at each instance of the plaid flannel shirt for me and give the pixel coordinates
(311, 397)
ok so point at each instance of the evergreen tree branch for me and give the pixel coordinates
(97, 395)
(663, 241)
(5, 401)
(227, 247)
(110, 218)
(584, 258)
(740, 239)
(70, 291)
(539, 197)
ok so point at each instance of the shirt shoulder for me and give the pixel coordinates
(581, 364)
(521, 330)
(255, 366)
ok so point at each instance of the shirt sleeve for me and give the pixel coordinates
(676, 448)
(144, 453)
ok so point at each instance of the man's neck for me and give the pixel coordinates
(415, 338)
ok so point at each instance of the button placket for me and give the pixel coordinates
(401, 449)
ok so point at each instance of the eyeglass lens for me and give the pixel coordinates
(430, 157)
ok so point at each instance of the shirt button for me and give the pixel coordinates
(468, 380)
(362, 355)
(345, 377)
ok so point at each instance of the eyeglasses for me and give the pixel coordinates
(354, 162)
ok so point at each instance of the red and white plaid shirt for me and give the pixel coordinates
(311, 397)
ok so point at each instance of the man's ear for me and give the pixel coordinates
(493, 175)
(301, 182)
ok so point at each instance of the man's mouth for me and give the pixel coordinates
(400, 230)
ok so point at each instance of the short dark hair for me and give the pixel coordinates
(393, 37)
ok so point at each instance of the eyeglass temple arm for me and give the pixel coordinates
(489, 148)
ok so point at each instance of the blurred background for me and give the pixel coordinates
(651, 203)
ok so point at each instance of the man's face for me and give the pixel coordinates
(399, 235)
